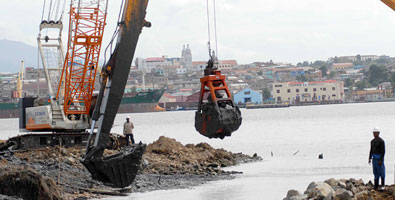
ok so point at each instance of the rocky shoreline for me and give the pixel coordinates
(342, 189)
(56, 173)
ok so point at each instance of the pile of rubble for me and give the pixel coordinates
(342, 189)
(56, 172)
(167, 156)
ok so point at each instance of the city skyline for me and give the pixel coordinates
(283, 31)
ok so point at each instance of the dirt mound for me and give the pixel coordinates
(168, 164)
(168, 156)
(27, 184)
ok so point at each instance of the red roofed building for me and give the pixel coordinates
(155, 59)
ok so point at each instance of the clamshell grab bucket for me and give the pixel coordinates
(213, 124)
(118, 170)
(217, 116)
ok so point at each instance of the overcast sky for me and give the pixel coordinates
(248, 31)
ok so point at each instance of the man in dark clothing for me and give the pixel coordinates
(377, 151)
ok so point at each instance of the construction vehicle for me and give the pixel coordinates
(72, 109)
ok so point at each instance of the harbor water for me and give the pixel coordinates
(288, 139)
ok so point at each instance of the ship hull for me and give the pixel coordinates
(137, 103)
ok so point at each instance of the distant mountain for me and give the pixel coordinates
(13, 52)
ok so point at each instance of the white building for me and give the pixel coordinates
(354, 58)
(316, 91)
(222, 65)
(149, 64)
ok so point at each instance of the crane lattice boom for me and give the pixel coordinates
(86, 27)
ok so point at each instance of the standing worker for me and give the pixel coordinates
(377, 151)
(128, 130)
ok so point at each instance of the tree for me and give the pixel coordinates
(348, 82)
(305, 63)
(336, 59)
(299, 64)
(331, 75)
(377, 74)
(392, 80)
(266, 93)
(301, 78)
(318, 63)
(362, 84)
(324, 70)
(134, 89)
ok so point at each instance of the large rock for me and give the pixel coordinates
(342, 183)
(310, 188)
(322, 191)
(333, 183)
(351, 187)
(359, 182)
(295, 195)
(291, 193)
(342, 194)
(299, 197)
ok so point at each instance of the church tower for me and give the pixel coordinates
(186, 57)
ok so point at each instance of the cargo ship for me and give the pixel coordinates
(131, 103)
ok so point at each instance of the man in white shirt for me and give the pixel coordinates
(128, 130)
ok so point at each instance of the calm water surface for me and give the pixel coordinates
(341, 132)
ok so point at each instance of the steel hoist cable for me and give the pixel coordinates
(209, 29)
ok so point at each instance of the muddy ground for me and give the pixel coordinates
(56, 173)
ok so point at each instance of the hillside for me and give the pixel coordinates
(12, 52)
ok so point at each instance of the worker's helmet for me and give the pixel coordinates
(127, 117)
(376, 130)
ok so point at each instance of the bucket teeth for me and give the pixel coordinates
(118, 170)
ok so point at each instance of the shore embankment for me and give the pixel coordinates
(342, 189)
(56, 172)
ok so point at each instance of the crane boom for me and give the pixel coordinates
(389, 3)
(86, 28)
(120, 169)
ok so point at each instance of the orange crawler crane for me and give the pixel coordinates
(217, 116)
(86, 27)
